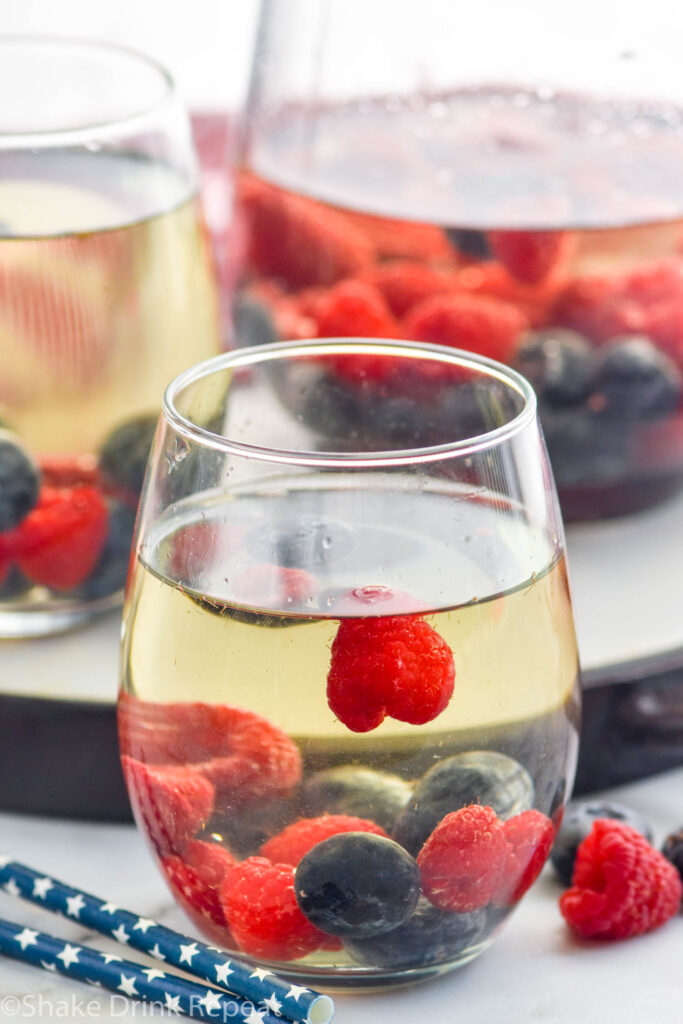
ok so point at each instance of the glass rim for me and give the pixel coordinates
(254, 355)
(86, 44)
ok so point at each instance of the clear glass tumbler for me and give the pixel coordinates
(508, 182)
(349, 706)
(106, 293)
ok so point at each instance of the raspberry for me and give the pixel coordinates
(596, 307)
(402, 239)
(294, 842)
(462, 860)
(404, 283)
(243, 754)
(493, 280)
(59, 542)
(472, 322)
(195, 880)
(621, 886)
(69, 470)
(262, 912)
(355, 309)
(299, 240)
(531, 256)
(394, 665)
(529, 837)
(173, 802)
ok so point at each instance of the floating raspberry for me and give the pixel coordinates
(355, 309)
(462, 861)
(531, 256)
(621, 886)
(529, 838)
(242, 754)
(404, 283)
(196, 879)
(394, 665)
(299, 240)
(173, 802)
(294, 842)
(262, 912)
(59, 542)
(471, 322)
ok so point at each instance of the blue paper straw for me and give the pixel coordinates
(167, 991)
(261, 987)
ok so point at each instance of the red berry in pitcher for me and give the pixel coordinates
(472, 322)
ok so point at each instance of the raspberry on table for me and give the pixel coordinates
(59, 543)
(173, 802)
(262, 912)
(294, 842)
(394, 665)
(195, 880)
(577, 823)
(531, 256)
(475, 323)
(529, 838)
(621, 885)
(462, 861)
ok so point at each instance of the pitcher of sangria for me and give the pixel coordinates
(494, 180)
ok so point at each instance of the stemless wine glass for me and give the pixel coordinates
(106, 293)
(349, 707)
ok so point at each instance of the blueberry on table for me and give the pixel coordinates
(109, 575)
(357, 884)
(636, 380)
(122, 458)
(430, 936)
(484, 777)
(578, 823)
(559, 364)
(673, 850)
(19, 481)
(362, 792)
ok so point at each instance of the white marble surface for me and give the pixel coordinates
(533, 973)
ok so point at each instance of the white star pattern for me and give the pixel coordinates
(187, 952)
(74, 905)
(172, 1003)
(210, 1002)
(12, 888)
(127, 986)
(222, 972)
(110, 957)
(295, 991)
(69, 955)
(109, 908)
(156, 952)
(48, 966)
(41, 887)
(216, 949)
(120, 934)
(153, 973)
(255, 1017)
(26, 938)
(272, 1003)
(259, 973)
(142, 924)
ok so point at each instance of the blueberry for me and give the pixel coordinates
(585, 447)
(305, 543)
(636, 381)
(469, 242)
(109, 575)
(479, 776)
(122, 458)
(559, 364)
(19, 481)
(430, 936)
(576, 825)
(360, 792)
(357, 884)
(252, 322)
(673, 850)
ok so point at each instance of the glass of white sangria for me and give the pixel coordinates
(106, 293)
(349, 708)
(492, 182)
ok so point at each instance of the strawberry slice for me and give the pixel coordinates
(61, 539)
(531, 256)
(173, 802)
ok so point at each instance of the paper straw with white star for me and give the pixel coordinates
(268, 992)
(167, 991)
